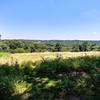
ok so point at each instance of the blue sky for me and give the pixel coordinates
(50, 19)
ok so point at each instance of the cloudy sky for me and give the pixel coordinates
(50, 19)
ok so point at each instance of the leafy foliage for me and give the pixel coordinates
(50, 45)
(52, 79)
(19, 50)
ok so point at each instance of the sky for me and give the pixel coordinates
(50, 19)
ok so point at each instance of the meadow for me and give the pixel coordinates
(50, 76)
(33, 57)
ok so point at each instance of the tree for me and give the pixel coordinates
(85, 46)
(91, 46)
(4, 47)
(80, 48)
(75, 48)
(58, 47)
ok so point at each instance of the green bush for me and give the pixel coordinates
(19, 50)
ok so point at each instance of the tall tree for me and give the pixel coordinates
(58, 47)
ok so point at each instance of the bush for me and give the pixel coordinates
(19, 50)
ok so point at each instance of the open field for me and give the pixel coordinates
(25, 57)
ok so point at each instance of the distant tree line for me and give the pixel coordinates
(23, 46)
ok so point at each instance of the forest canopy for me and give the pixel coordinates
(24, 46)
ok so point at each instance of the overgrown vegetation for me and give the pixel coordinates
(4, 54)
(58, 79)
(22, 46)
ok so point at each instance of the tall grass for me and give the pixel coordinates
(4, 54)
(25, 57)
(57, 79)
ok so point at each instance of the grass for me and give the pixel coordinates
(4, 54)
(51, 79)
(26, 57)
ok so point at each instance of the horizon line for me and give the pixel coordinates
(51, 39)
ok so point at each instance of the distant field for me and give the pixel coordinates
(25, 57)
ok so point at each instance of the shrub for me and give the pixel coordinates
(19, 50)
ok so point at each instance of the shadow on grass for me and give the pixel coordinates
(59, 79)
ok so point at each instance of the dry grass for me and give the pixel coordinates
(25, 57)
